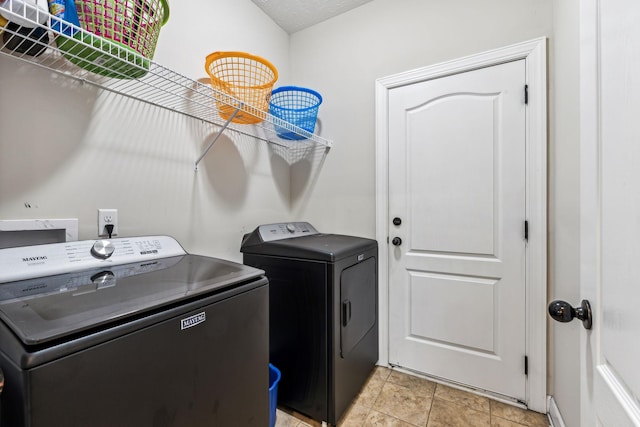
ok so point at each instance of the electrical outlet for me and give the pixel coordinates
(107, 216)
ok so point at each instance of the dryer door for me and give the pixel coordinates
(358, 304)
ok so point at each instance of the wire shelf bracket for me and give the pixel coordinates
(220, 132)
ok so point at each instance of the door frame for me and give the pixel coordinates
(589, 198)
(534, 52)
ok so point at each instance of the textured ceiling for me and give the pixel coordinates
(295, 15)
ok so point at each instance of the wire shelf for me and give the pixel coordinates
(153, 84)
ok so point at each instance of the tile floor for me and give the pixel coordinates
(394, 399)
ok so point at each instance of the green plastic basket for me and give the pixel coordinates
(123, 38)
(100, 56)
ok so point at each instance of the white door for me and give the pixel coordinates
(457, 268)
(610, 211)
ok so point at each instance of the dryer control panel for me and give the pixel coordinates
(285, 230)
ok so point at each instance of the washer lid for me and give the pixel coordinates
(44, 309)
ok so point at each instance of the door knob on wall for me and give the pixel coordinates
(562, 311)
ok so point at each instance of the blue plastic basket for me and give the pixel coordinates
(295, 105)
(274, 379)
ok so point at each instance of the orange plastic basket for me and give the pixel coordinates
(247, 78)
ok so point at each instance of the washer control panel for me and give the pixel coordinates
(285, 230)
(102, 249)
(28, 262)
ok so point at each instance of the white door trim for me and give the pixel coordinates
(534, 52)
(589, 198)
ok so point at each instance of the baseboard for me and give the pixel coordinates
(554, 413)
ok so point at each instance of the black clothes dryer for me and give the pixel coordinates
(323, 313)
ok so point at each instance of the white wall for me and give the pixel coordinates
(67, 149)
(93, 150)
(342, 57)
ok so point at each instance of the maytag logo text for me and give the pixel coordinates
(191, 321)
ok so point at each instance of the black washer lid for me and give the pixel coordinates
(320, 247)
(52, 307)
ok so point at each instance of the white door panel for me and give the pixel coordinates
(457, 179)
(610, 211)
(466, 182)
(475, 330)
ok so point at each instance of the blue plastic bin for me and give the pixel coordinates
(274, 379)
(295, 105)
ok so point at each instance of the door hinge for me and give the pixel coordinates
(526, 94)
(526, 230)
(526, 365)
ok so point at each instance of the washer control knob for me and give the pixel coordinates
(291, 228)
(102, 249)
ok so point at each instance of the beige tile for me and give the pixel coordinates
(381, 373)
(378, 419)
(306, 421)
(449, 414)
(501, 422)
(407, 404)
(285, 420)
(300, 419)
(355, 416)
(370, 392)
(518, 415)
(412, 382)
(479, 403)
